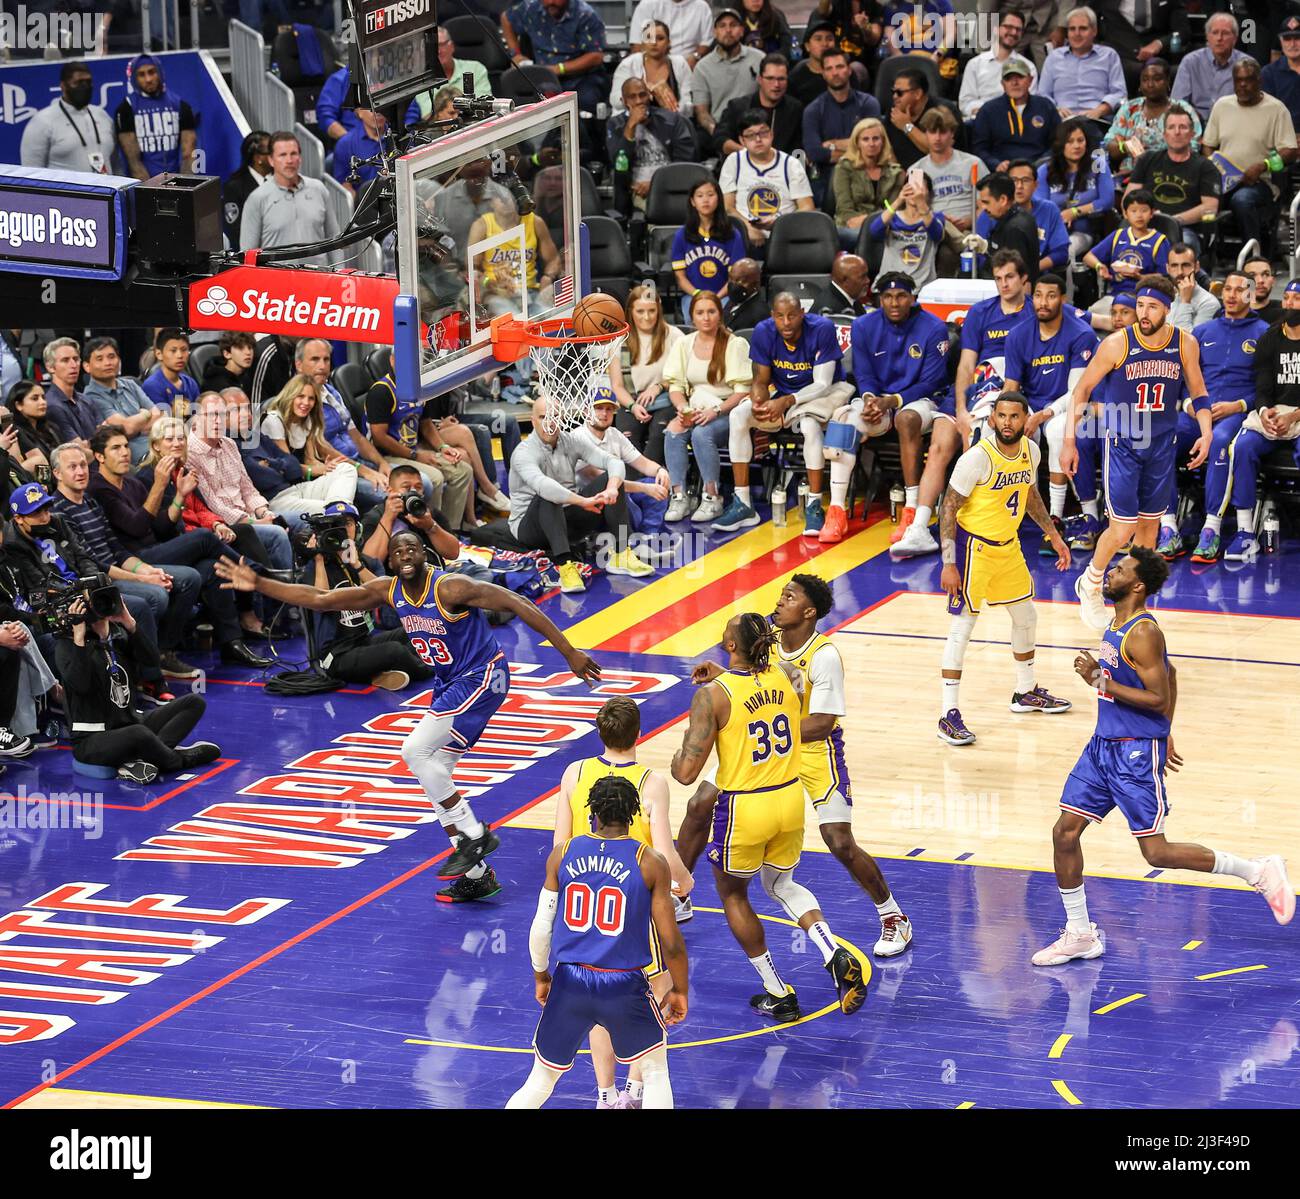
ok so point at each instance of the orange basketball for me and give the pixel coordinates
(596, 314)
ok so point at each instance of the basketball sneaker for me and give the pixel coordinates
(895, 936)
(570, 578)
(915, 542)
(905, 520)
(469, 853)
(683, 909)
(625, 562)
(1083, 536)
(1092, 607)
(626, 1100)
(1207, 548)
(1069, 946)
(679, 508)
(464, 890)
(735, 516)
(710, 508)
(1244, 547)
(1045, 544)
(846, 970)
(837, 524)
(1275, 887)
(952, 729)
(782, 1009)
(814, 517)
(1038, 700)
(1169, 545)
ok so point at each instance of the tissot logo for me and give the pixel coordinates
(394, 14)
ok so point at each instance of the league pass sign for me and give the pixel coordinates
(62, 223)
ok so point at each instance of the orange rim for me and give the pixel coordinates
(512, 338)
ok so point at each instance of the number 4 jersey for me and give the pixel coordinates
(604, 904)
(451, 643)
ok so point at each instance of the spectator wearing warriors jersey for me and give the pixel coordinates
(706, 245)
(760, 183)
(798, 383)
(1133, 251)
(169, 386)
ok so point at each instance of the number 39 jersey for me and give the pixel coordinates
(452, 643)
(758, 747)
(604, 905)
(996, 482)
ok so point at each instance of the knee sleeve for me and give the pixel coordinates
(796, 900)
(740, 446)
(654, 1077)
(960, 629)
(426, 752)
(812, 432)
(1024, 626)
(537, 1087)
(1055, 433)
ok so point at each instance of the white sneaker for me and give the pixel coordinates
(1069, 946)
(915, 542)
(678, 508)
(1092, 606)
(683, 909)
(710, 508)
(1275, 887)
(499, 502)
(895, 936)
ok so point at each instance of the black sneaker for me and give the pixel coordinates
(781, 1010)
(14, 745)
(155, 693)
(463, 890)
(846, 970)
(137, 772)
(174, 668)
(469, 854)
(200, 753)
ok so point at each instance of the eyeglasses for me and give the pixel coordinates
(1020, 179)
(751, 135)
(902, 91)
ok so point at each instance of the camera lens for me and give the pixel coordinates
(414, 505)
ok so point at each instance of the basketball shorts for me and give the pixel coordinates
(1128, 774)
(991, 573)
(753, 829)
(582, 997)
(1138, 480)
(471, 700)
(825, 777)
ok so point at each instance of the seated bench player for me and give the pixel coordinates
(900, 365)
(798, 384)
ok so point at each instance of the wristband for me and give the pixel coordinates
(949, 553)
(559, 68)
(889, 208)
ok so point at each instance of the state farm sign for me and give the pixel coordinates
(256, 299)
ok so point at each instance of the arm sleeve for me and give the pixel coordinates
(826, 679)
(972, 469)
(539, 934)
(124, 118)
(823, 376)
(189, 122)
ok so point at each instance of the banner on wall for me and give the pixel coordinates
(28, 87)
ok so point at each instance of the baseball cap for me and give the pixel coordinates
(340, 508)
(733, 13)
(1290, 27)
(1014, 66)
(816, 25)
(29, 499)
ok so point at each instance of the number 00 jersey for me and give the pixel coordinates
(452, 643)
(758, 747)
(996, 482)
(604, 905)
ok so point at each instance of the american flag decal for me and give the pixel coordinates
(564, 291)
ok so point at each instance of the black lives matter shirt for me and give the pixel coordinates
(1277, 370)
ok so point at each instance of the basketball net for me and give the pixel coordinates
(568, 368)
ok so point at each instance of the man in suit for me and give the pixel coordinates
(1138, 31)
(254, 170)
(847, 290)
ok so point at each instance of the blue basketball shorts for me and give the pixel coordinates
(1128, 774)
(1138, 481)
(582, 997)
(471, 700)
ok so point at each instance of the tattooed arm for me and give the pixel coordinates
(1037, 512)
(701, 732)
(950, 578)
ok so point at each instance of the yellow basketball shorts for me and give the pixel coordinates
(753, 829)
(991, 573)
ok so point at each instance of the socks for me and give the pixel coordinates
(839, 492)
(1227, 863)
(634, 1089)
(1024, 675)
(1090, 509)
(951, 687)
(1214, 523)
(606, 1094)
(923, 515)
(1058, 492)
(476, 871)
(772, 982)
(1076, 909)
(1246, 520)
(912, 494)
(1169, 521)
(1092, 578)
(742, 494)
(821, 937)
(888, 908)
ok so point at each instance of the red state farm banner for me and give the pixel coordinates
(339, 306)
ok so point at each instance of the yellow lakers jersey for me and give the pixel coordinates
(592, 769)
(996, 507)
(502, 263)
(758, 747)
(801, 660)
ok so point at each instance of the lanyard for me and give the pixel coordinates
(93, 127)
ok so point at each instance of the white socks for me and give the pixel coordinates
(951, 687)
(1227, 863)
(923, 514)
(840, 486)
(1169, 521)
(912, 494)
(742, 494)
(888, 908)
(1024, 675)
(634, 1088)
(1246, 520)
(1058, 492)
(606, 1094)
(1076, 909)
(1214, 523)
(772, 982)
(1090, 509)
(821, 937)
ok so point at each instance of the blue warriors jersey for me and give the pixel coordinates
(604, 906)
(792, 364)
(1145, 391)
(1149, 252)
(1042, 368)
(1228, 356)
(452, 643)
(1114, 718)
(987, 327)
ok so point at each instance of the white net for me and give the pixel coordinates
(568, 375)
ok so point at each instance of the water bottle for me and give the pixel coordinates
(602, 111)
(968, 263)
(1175, 44)
(778, 507)
(803, 497)
(621, 163)
(1272, 529)
(897, 498)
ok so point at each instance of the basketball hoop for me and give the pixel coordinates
(566, 364)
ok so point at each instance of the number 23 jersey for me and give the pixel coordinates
(452, 643)
(758, 747)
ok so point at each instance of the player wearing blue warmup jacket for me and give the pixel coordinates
(445, 617)
(1148, 368)
(1228, 345)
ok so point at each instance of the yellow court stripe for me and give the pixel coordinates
(1200, 978)
(1110, 1007)
(1065, 1093)
(672, 588)
(961, 1107)
(705, 633)
(1061, 1042)
(1193, 944)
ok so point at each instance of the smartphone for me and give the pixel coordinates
(915, 177)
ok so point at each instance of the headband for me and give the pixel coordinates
(1151, 293)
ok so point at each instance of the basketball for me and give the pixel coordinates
(596, 314)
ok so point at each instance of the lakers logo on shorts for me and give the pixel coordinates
(764, 201)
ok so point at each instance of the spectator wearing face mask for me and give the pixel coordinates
(72, 134)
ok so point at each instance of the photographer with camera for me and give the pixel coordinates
(97, 663)
(405, 510)
(351, 647)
